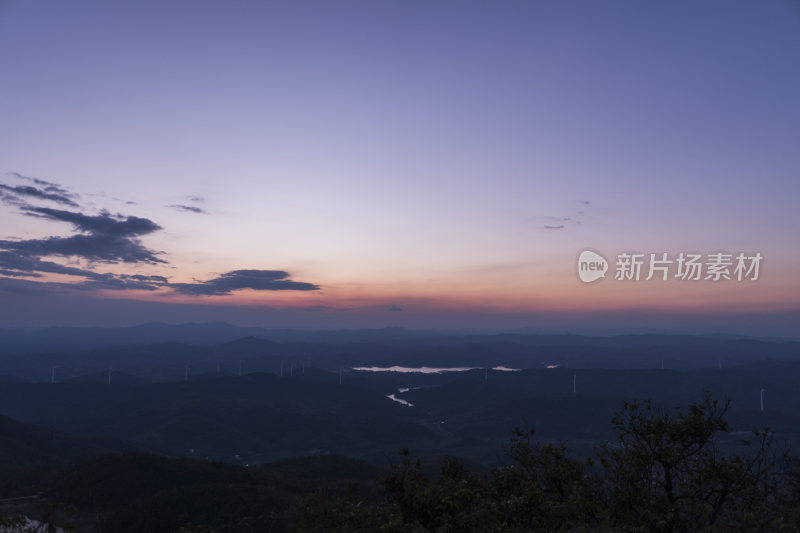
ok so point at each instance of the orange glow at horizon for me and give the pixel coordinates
(569, 296)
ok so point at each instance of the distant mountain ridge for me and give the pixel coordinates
(159, 352)
(26, 341)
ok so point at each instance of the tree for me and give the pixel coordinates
(544, 489)
(456, 500)
(666, 472)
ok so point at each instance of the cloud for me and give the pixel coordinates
(102, 248)
(48, 191)
(23, 286)
(106, 281)
(563, 222)
(189, 208)
(10, 199)
(49, 186)
(395, 309)
(103, 224)
(106, 237)
(195, 198)
(16, 274)
(29, 266)
(259, 280)
(122, 282)
(16, 265)
(33, 192)
(149, 279)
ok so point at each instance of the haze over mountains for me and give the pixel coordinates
(161, 351)
(204, 391)
(30, 340)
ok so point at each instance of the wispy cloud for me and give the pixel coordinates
(188, 208)
(565, 221)
(27, 190)
(45, 191)
(49, 186)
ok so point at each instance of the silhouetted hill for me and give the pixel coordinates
(24, 447)
(136, 492)
(261, 417)
(254, 418)
(103, 377)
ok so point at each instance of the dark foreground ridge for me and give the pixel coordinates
(255, 434)
(665, 470)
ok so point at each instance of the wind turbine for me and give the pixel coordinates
(575, 383)
(340, 376)
(109, 375)
(53, 374)
(762, 399)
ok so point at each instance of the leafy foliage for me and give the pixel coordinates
(665, 472)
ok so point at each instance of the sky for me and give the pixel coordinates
(421, 164)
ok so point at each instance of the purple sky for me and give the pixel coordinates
(348, 164)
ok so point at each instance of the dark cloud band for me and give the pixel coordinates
(259, 280)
